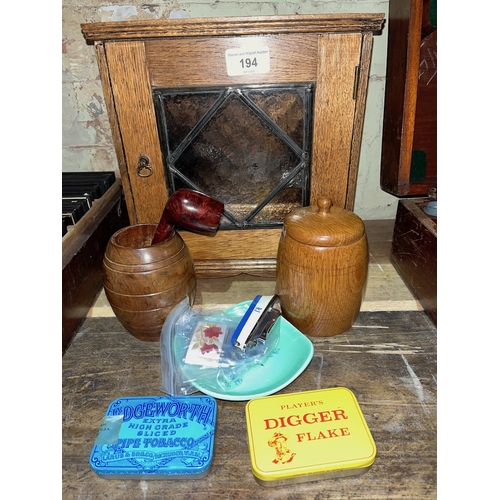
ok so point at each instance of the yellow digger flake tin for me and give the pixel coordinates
(308, 436)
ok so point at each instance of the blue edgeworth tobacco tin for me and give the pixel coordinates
(156, 437)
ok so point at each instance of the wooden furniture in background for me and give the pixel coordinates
(331, 51)
(409, 141)
(82, 253)
(414, 252)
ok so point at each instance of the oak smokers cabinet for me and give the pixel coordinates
(330, 53)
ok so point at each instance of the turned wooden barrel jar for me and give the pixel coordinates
(144, 282)
(321, 268)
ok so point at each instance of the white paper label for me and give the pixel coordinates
(248, 60)
(109, 430)
(205, 347)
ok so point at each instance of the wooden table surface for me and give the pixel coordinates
(388, 359)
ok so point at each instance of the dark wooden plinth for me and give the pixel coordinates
(388, 359)
(82, 253)
(414, 252)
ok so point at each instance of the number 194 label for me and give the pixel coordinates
(247, 61)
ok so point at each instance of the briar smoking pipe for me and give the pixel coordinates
(189, 210)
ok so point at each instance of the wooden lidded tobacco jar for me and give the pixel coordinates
(321, 269)
(144, 282)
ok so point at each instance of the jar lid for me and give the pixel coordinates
(324, 225)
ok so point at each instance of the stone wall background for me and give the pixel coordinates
(87, 144)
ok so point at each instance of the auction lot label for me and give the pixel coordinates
(248, 60)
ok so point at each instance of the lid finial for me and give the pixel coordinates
(324, 205)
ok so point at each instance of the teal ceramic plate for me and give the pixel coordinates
(291, 357)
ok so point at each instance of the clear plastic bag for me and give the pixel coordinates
(197, 350)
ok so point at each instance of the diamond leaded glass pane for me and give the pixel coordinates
(247, 147)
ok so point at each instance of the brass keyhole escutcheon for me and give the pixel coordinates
(144, 169)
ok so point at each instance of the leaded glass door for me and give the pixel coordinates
(246, 146)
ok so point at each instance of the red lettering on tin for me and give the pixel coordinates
(300, 405)
(324, 416)
(271, 423)
(293, 420)
(310, 418)
(316, 436)
(339, 414)
(306, 418)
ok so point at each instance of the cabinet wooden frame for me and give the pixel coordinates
(410, 107)
(331, 51)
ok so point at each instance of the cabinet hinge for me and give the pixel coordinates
(356, 83)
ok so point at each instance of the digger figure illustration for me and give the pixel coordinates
(283, 454)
